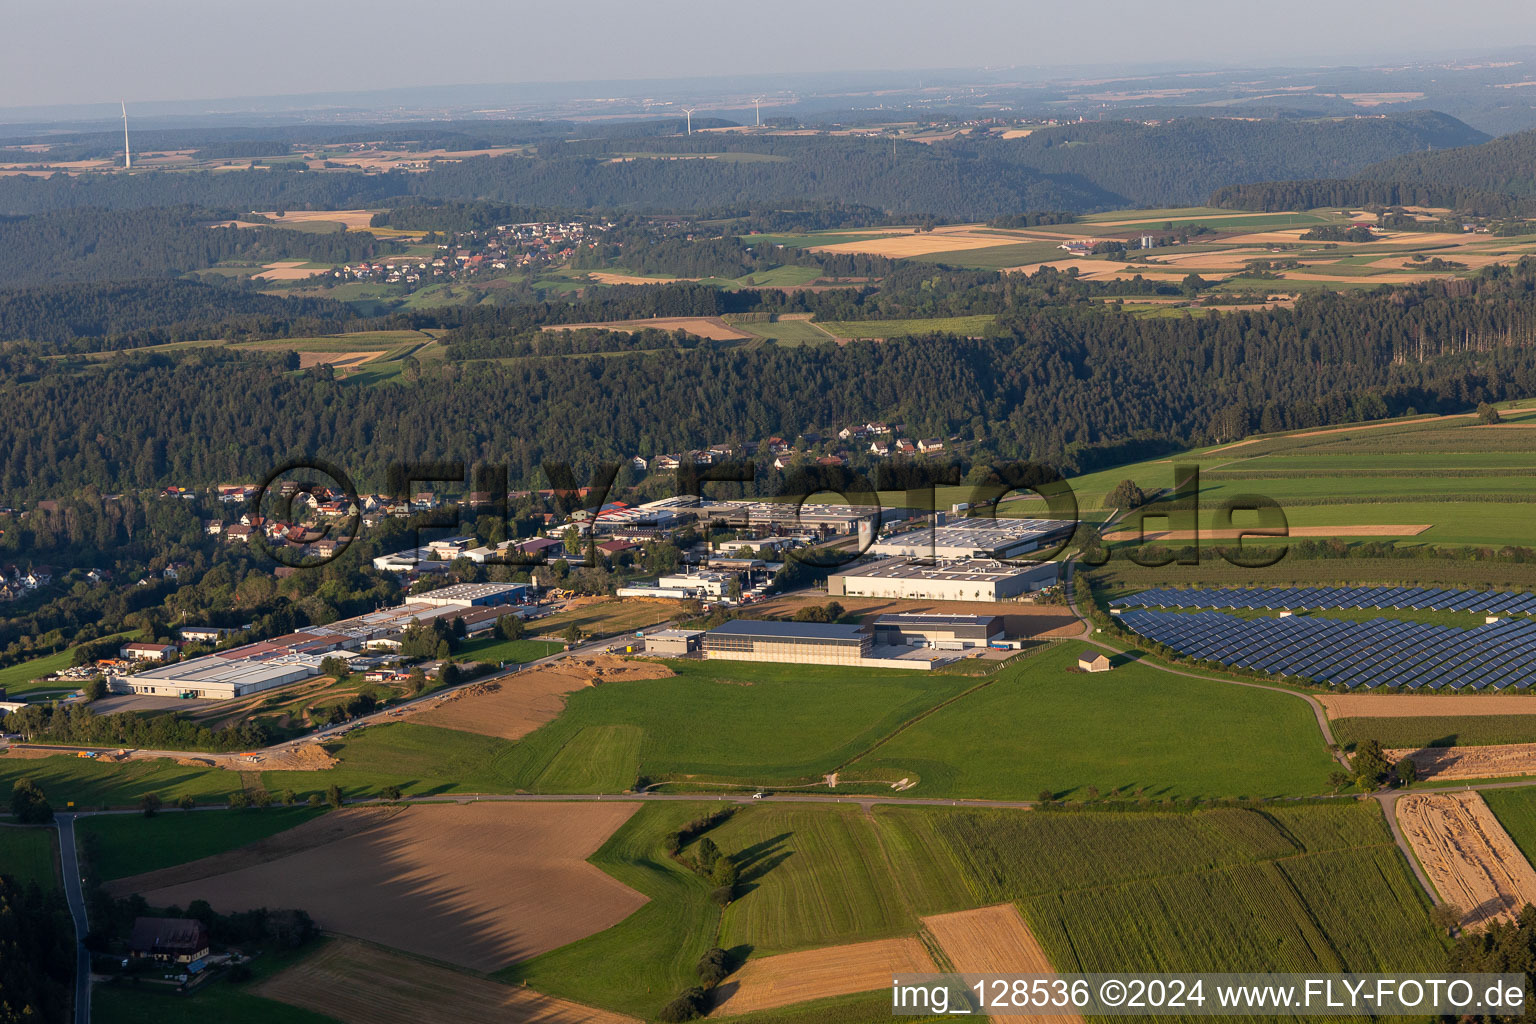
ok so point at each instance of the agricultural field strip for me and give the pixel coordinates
(1472, 861)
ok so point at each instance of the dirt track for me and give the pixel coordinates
(1471, 860)
(1495, 761)
(481, 885)
(361, 984)
(992, 940)
(513, 707)
(788, 978)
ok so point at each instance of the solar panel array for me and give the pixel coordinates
(1421, 598)
(1381, 652)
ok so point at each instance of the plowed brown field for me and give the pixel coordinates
(481, 885)
(1470, 859)
(513, 707)
(819, 974)
(1407, 705)
(361, 984)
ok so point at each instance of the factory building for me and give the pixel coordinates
(472, 595)
(944, 632)
(800, 643)
(780, 515)
(977, 538)
(967, 579)
(673, 643)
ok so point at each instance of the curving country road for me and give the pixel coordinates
(74, 894)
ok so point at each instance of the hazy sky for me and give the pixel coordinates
(86, 51)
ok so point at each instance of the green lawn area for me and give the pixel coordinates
(28, 855)
(963, 325)
(607, 618)
(785, 332)
(510, 651)
(26, 676)
(94, 784)
(223, 1001)
(1042, 727)
(359, 341)
(120, 845)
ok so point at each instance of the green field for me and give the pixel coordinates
(1516, 811)
(785, 332)
(1016, 255)
(120, 845)
(963, 325)
(1289, 889)
(642, 962)
(1449, 731)
(808, 239)
(93, 784)
(28, 855)
(26, 676)
(820, 876)
(1044, 726)
(1308, 887)
(493, 649)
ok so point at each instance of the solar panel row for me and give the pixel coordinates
(1420, 598)
(1381, 652)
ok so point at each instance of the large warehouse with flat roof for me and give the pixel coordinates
(968, 579)
(977, 538)
(946, 632)
(804, 643)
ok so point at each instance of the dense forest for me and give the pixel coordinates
(36, 954)
(1182, 162)
(132, 313)
(1056, 377)
(106, 245)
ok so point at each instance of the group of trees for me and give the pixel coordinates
(79, 724)
(37, 957)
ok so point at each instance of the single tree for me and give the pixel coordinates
(333, 795)
(149, 803)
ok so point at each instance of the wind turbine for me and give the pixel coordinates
(757, 103)
(688, 113)
(127, 154)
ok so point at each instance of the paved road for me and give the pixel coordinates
(75, 896)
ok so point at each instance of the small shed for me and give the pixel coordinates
(1092, 661)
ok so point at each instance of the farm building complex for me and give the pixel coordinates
(968, 579)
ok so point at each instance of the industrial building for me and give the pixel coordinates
(673, 643)
(467, 595)
(977, 538)
(780, 515)
(968, 579)
(944, 632)
(801, 643)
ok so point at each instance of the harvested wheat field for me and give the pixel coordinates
(513, 707)
(711, 328)
(1495, 761)
(1388, 705)
(928, 242)
(340, 360)
(788, 978)
(362, 984)
(480, 885)
(992, 940)
(285, 270)
(1471, 860)
(355, 220)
